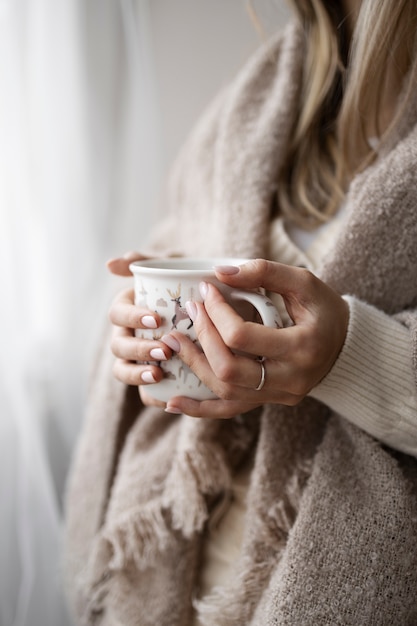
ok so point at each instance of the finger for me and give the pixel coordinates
(291, 358)
(249, 337)
(261, 273)
(292, 354)
(120, 265)
(126, 346)
(214, 409)
(277, 382)
(225, 408)
(136, 374)
(320, 314)
(227, 366)
(124, 312)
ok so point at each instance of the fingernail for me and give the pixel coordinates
(191, 310)
(227, 269)
(149, 322)
(172, 409)
(203, 290)
(157, 354)
(171, 342)
(148, 377)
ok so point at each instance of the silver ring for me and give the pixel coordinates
(263, 374)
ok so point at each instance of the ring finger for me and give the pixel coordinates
(229, 367)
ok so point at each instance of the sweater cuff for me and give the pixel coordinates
(371, 383)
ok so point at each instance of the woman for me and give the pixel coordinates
(301, 507)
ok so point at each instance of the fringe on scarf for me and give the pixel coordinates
(285, 510)
(138, 536)
(144, 532)
(196, 474)
(234, 603)
(198, 479)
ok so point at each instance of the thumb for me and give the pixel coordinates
(275, 277)
(306, 297)
(120, 265)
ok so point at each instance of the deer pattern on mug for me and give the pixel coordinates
(180, 311)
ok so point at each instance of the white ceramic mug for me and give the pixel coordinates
(164, 286)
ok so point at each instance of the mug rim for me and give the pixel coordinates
(175, 265)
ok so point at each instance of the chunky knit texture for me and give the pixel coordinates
(330, 532)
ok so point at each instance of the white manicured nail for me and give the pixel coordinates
(149, 322)
(148, 377)
(157, 354)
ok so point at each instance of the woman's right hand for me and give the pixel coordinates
(132, 353)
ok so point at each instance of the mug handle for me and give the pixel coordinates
(265, 307)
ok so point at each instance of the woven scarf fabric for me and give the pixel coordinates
(331, 525)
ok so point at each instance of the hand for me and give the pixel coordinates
(297, 358)
(128, 349)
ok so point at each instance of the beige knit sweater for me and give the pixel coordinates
(330, 534)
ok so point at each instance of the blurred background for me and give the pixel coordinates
(96, 97)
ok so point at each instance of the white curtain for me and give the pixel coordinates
(79, 170)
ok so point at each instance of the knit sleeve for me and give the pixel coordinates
(372, 383)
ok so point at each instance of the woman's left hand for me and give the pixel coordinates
(296, 358)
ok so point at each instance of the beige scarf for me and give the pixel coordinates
(331, 526)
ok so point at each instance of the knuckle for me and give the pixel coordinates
(137, 351)
(124, 315)
(202, 333)
(114, 345)
(127, 375)
(112, 314)
(194, 361)
(260, 266)
(228, 393)
(307, 280)
(235, 336)
(132, 318)
(117, 370)
(264, 269)
(226, 372)
(132, 377)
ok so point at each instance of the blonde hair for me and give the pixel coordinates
(343, 94)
